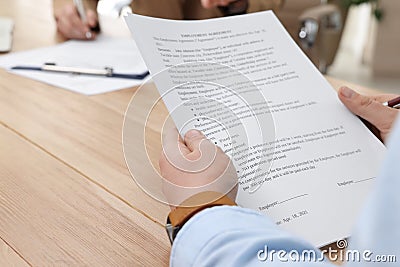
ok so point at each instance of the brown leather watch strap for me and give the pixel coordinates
(196, 203)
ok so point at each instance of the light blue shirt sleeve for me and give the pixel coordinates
(377, 232)
(234, 236)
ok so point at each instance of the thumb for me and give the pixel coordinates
(365, 107)
(202, 150)
(193, 139)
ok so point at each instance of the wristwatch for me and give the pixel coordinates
(179, 216)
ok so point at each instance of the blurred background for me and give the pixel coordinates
(353, 40)
(356, 41)
(369, 51)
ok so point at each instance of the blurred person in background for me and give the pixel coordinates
(71, 26)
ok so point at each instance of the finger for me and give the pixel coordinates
(172, 141)
(80, 29)
(225, 2)
(194, 155)
(203, 151)
(69, 11)
(73, 28)
(173, 150)
(82, 35)
(384, 97)
(80, 26)
(367, 108)
(208, 3)
(91, 18)
(193, 138)
(67, 30)
(90, 35)
(65, 19)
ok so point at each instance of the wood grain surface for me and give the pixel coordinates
(9, 257)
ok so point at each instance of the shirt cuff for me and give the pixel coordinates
(229, 232)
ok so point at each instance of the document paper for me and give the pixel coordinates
(119, 53)
(325, 160)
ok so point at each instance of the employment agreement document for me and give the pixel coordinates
(302, 158)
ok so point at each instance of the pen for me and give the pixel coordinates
(81, 10)
(106, 72)
(82, 14)
(394, 103)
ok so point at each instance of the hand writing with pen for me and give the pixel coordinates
(371, 109)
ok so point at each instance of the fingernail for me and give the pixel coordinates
(193, 133)
(346, 92)
(88, 35)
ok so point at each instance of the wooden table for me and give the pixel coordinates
(66, 196)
